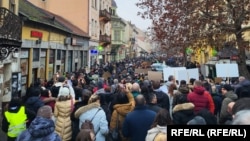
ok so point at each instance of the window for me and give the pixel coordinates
(92, 27)
(95, 4)
(12, 6)
(36, 54)
(63, 56)
(96, 28)
(117, 35)
(58, 57)
(51, 56)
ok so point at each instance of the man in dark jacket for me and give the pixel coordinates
(139, 121)
(41, 128)
(32, 104)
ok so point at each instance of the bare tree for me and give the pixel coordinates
(181, 23)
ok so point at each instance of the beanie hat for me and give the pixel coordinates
(45, 111)
(64, 91)
(197, 120)
(227, 87)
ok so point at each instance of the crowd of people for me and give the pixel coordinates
(125, 103)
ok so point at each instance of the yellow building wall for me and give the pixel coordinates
(47, 36)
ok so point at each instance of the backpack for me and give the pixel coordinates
(87, 124)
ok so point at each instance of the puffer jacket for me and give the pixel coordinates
(198, 98)
(153, 133)
(40, 129)
(63, 122)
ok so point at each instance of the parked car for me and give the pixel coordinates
(158, 66)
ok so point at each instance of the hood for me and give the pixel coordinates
(41, 127)
(199, 90)
(184, 106)
(84, 109)
(231, 95)
(154, 131)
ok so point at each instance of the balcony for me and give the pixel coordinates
(105, 16)
(104, 40)
(10, 33)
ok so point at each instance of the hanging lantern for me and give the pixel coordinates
(214, 52)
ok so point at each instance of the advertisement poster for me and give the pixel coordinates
(15, 83)
(24, 66)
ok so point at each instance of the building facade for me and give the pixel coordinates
(10, 44)
(77, 13)
(119, 47)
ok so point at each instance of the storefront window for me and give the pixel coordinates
(58, 57)
(63, 56)
(70, 61)
(36, 54)
(51, 56)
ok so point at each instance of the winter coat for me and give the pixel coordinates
(120, 111)
(153, 133)
(63, 123)
(230, 96)
(211, 105)
(181, 95)
(137, 123)
(182, 113)
(198, 98)
(99, 120)
(32, 105)
(41, 129)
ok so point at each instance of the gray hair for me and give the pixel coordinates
(242, 118)
(116, 81)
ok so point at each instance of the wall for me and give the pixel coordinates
(76, 12)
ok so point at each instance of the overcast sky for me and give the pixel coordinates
(128, 11)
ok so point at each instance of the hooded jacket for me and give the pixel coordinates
(198, 98)
(99, 120)
(41, 129)
(230, 96)
(152, 133)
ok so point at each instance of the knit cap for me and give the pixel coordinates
(45, 111)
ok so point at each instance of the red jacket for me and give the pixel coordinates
(211, 102)
(201, 99)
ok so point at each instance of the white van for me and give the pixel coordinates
(158, 66)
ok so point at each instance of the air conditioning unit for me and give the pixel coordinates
(67, 41)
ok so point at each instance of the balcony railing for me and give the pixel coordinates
(105, 39)
(10, 32)
(105, 16)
